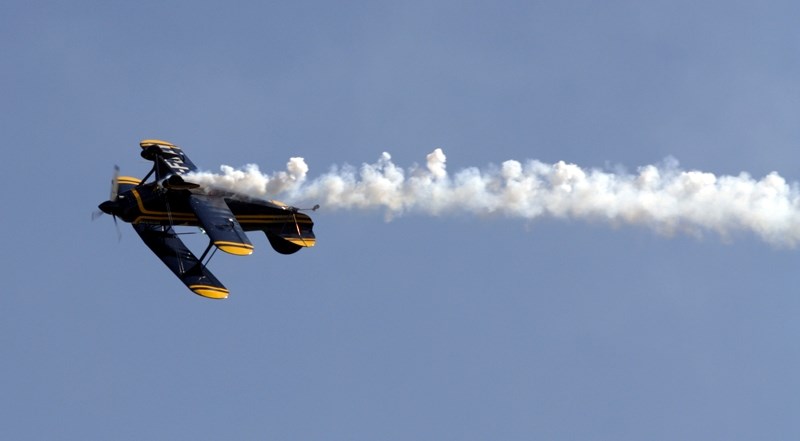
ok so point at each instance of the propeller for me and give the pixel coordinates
(114, 184)
(109, 206)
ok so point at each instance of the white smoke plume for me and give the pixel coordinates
(662, 197)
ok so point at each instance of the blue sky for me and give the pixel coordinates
(425, 327)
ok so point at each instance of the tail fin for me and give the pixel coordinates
(290, 237)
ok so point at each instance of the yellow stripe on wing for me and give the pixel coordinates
(128, 180)
(148, 142)
(303, 242)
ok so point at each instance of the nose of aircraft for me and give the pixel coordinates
(109, 207)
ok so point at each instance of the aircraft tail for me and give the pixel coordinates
(290, 237)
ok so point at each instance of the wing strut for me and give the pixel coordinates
(208, 248)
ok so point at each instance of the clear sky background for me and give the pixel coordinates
(423, 328)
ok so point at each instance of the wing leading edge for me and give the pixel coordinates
(164, 242)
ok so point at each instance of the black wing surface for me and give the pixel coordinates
(220, 224)
(171, 250)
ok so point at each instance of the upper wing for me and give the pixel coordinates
(168, 158)
(171, 250)
(220, 224)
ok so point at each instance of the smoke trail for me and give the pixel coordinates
(662, 197)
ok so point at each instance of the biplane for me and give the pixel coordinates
(156, 207)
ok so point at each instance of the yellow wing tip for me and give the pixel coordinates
(148, 142)
(235, 248)
(303, 242)
(211, 292)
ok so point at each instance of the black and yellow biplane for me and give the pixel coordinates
(155, 208)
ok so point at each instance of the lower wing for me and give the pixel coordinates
(164, 242)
